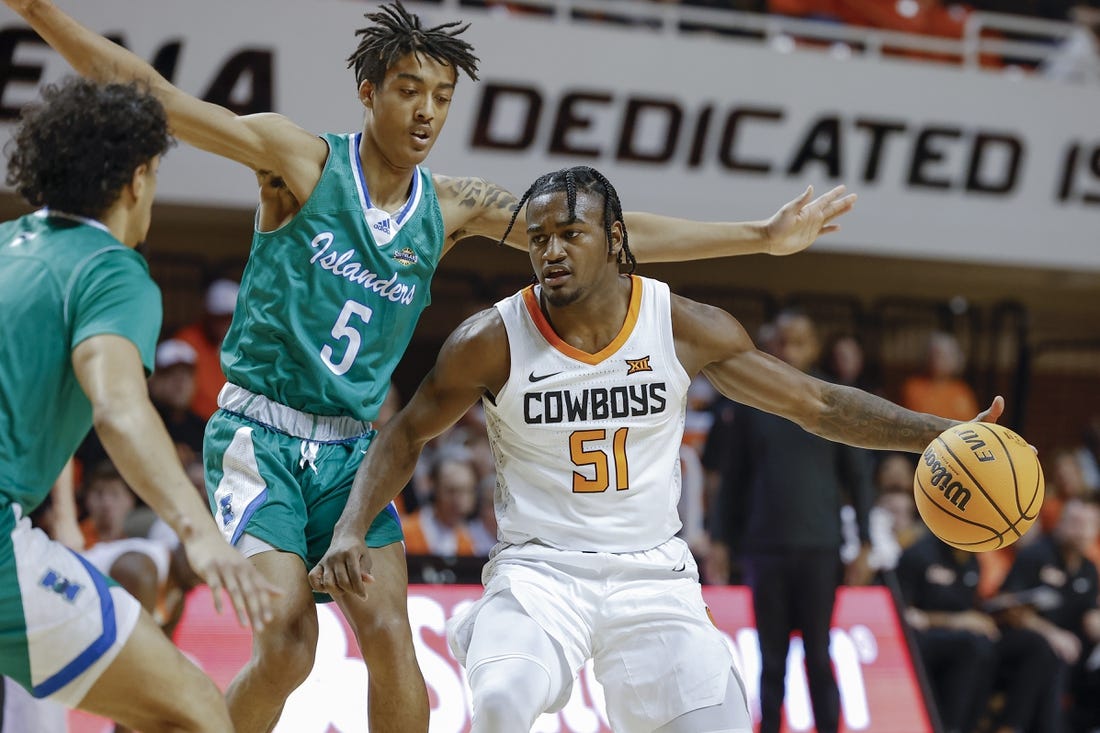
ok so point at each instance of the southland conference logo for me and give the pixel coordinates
(405, 256)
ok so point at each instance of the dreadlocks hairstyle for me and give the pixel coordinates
(77, 150)
(586, 179)
(396, 33)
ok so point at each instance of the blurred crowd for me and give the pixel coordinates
(763, 503)
(1072, 56)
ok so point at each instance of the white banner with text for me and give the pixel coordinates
(949, 164)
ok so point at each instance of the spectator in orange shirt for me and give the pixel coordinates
(941, 390)
(205, 336)
(439, 528)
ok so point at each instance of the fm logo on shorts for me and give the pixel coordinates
(225, 505)
(60, 585)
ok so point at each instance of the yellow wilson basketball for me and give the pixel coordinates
(979, 486)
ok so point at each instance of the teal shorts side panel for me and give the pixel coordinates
(253, 482)
(14, 658)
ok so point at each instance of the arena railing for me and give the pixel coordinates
(1012, 40)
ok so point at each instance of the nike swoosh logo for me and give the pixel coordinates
(680, 568)
(541, 377)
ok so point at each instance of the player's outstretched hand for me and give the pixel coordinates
(795, 226)
(21, 6)
(345, 568)
(993, 412)
(223, 568)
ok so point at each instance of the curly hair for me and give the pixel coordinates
(396, 33)
(586, 179)
(77, 149)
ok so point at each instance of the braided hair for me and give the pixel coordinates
(586, 179)
(396, 33)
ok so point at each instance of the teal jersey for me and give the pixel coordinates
(329, 301)
(63, 279)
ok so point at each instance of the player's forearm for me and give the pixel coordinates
(90, 54)
(387, 468)
(141, 449)
(63, 496)
(654, 238)
(862, 419)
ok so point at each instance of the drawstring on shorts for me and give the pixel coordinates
(308, 450)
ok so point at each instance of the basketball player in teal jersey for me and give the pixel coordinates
(588, 565)
(80, 321)
(349, 232)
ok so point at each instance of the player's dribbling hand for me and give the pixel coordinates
(795, 226)
(223, 568)
(345, 568)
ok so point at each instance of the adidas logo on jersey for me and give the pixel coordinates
(382, 226)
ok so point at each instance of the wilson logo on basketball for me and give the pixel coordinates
(638, 365)
(943, 480)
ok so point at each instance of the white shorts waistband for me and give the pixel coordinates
(297, 424)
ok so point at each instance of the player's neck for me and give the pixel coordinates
(592, 322)
(117, 221)
(387, 185)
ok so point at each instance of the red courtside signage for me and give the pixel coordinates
(878, 689)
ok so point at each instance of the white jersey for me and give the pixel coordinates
(587, 445)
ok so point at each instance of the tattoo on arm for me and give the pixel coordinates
(858, 418)
(478, 194)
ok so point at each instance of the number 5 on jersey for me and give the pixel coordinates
(585, 455)
(343, 329)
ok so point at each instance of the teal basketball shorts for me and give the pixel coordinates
(284, 477)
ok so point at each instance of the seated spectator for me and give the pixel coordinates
(1071, 626)
(844, 361)
(107, 502)
(894, 486)
(205, 336)
(439, 527)
(965, 653)
(1077, 58)
(894, 523)
(1088, 454)
(483, 527)
(1065, 481)
(171, 390)
(151, 566)
(940, 389)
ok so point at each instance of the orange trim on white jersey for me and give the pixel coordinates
(552, 338)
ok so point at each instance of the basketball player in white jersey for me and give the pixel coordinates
(584, 379)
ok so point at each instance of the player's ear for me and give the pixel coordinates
(366, 93)
(138, 181)
(615, 243)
